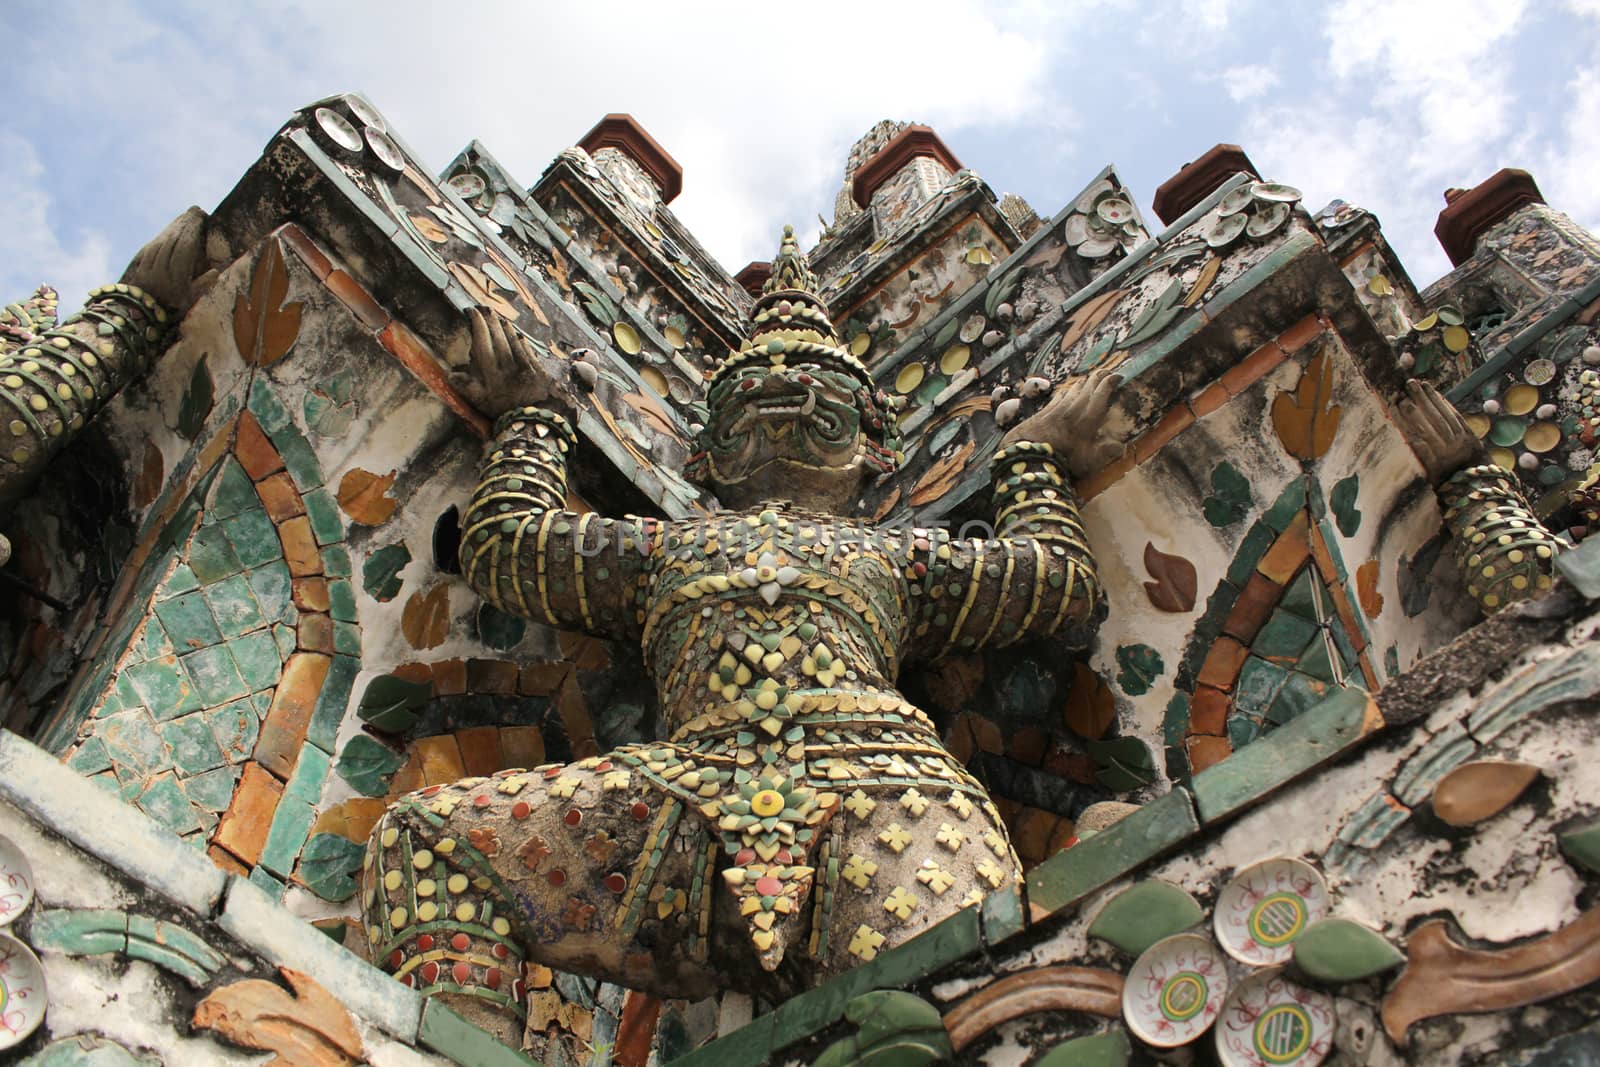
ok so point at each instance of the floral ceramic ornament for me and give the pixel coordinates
(1175, 990)
(1269, 1021)
(1266, 907)
(22, 992)
(16, 882)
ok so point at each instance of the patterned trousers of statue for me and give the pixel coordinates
(631, 866)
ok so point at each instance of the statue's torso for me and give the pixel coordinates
(774, 606)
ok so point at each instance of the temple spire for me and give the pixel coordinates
(791, 270)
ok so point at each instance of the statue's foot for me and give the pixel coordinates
(583, 868)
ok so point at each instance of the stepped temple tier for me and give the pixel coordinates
(456, 621)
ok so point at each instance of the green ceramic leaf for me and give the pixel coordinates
(329, 865)
(380, 574)
(1230, 499)
(1338, 950)
(390, 704)
(1343, 499)
(366, 764)
(196, 402)
(1143, 914)
(1122, 763)
(1101, 1050)
(912, 1050)
(1582, 844)
(1141, 665)
(886, 1012)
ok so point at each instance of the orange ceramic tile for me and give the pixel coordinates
(256, 454)
(310, 594)
(480, 750)
(521, 746)
(1223, 662)
(1347, 617)
(1296, 336)
(1027, 745)
(306, 249)
(1030, 833)
(283, 731)
(357, 299)
(449, 678)
(1106, 477)
(1288, 553)
(1256, 601)
(227, 861)
(244, 826)
(1367, 672)
(1251, 369)
(280, 496)
(300, 550)
(418, 358)
(414, 672)
(1209, 399)
(315, 632)
(1154, 439)
(494, 676)
(1206, 751)
(441, 759)
(408, 778)
(1208, 711)
(542, 679)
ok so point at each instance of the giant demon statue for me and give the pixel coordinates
(802, 815)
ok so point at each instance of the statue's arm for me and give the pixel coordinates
(51, 386)
(1503, 553)
(1035, 577)
(526, 554)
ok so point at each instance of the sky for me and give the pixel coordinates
(121, 113)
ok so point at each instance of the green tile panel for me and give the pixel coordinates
(1316, 736)
(450, 1035)
(1090, 865)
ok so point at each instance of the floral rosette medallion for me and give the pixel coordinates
(22, 994)
(1266, 907)
(1175, 990)
(16, 882)
(1269, 1021)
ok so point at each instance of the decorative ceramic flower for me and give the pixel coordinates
(768, 577)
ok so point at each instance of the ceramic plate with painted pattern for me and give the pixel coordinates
(1265, 907)
(1270, 1021)
(1175, 990)
(22, 996)
(16, 882)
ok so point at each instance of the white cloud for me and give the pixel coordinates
(1567, 172)
(1248, 82)
(42, 251)
(1418, 98)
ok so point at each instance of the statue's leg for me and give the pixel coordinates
(583, 868)
(909, 857)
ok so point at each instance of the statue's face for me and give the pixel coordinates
(791, 433)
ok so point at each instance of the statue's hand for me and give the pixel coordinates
(504, 371)
(168, 267)
(1073, 423)
(1436, 432)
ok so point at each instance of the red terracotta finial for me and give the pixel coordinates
(754, 275)
(1472, 211)
(1199, 179)
(622, 132)
(913, 142)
